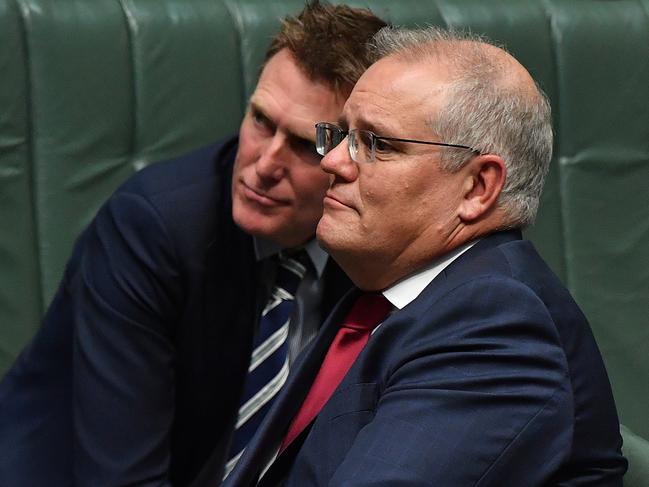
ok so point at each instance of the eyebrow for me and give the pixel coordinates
(255, 107)
(293, 135)
(378, 128)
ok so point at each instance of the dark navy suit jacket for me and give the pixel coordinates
(490, 377)
(135, 375)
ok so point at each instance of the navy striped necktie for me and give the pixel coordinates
(268, 368)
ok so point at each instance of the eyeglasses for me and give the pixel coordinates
(363, 144)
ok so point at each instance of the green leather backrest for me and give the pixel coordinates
(93, 90)
(20, 296)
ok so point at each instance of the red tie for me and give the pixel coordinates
(366, 313)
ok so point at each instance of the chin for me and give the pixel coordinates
(332, 238)
(251, 222)
(324, 233)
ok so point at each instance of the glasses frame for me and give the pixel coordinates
(342, 134)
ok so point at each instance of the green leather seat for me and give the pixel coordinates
(636, 450)
(92, 91)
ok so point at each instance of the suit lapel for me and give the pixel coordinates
(230, 310)
(231, 304)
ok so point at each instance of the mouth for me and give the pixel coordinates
(260, 197)
(332, 201)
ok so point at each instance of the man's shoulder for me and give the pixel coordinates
(186, 198)
(499, 277)
(488, 259)
(192, 172)
(504, 257)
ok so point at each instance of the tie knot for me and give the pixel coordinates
(367, 312)
(290, 271)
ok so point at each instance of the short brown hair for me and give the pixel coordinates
(328, 42)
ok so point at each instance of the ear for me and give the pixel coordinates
(484, 178)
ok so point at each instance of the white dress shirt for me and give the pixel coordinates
(407, 289)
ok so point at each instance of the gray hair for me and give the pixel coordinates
(485, 110)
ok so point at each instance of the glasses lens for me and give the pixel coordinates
(364, 146)
(353, 144)
(322, 139)
(327, 136)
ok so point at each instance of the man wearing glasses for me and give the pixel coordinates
(190, 294)
(460, 360)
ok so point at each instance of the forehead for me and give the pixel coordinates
(394, 94)
(291, 100)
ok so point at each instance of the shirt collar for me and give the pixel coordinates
(407, 289)
(265, 248)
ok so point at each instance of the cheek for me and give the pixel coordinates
(239, 173)
(249, 147)
(394, 207)
(378, 196)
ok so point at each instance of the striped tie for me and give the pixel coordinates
(268, 368)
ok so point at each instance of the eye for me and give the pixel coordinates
(303, 144)
(261, 121)
(383, 147)
(306, 147)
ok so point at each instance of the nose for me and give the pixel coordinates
(271, 164)
(339, 163)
